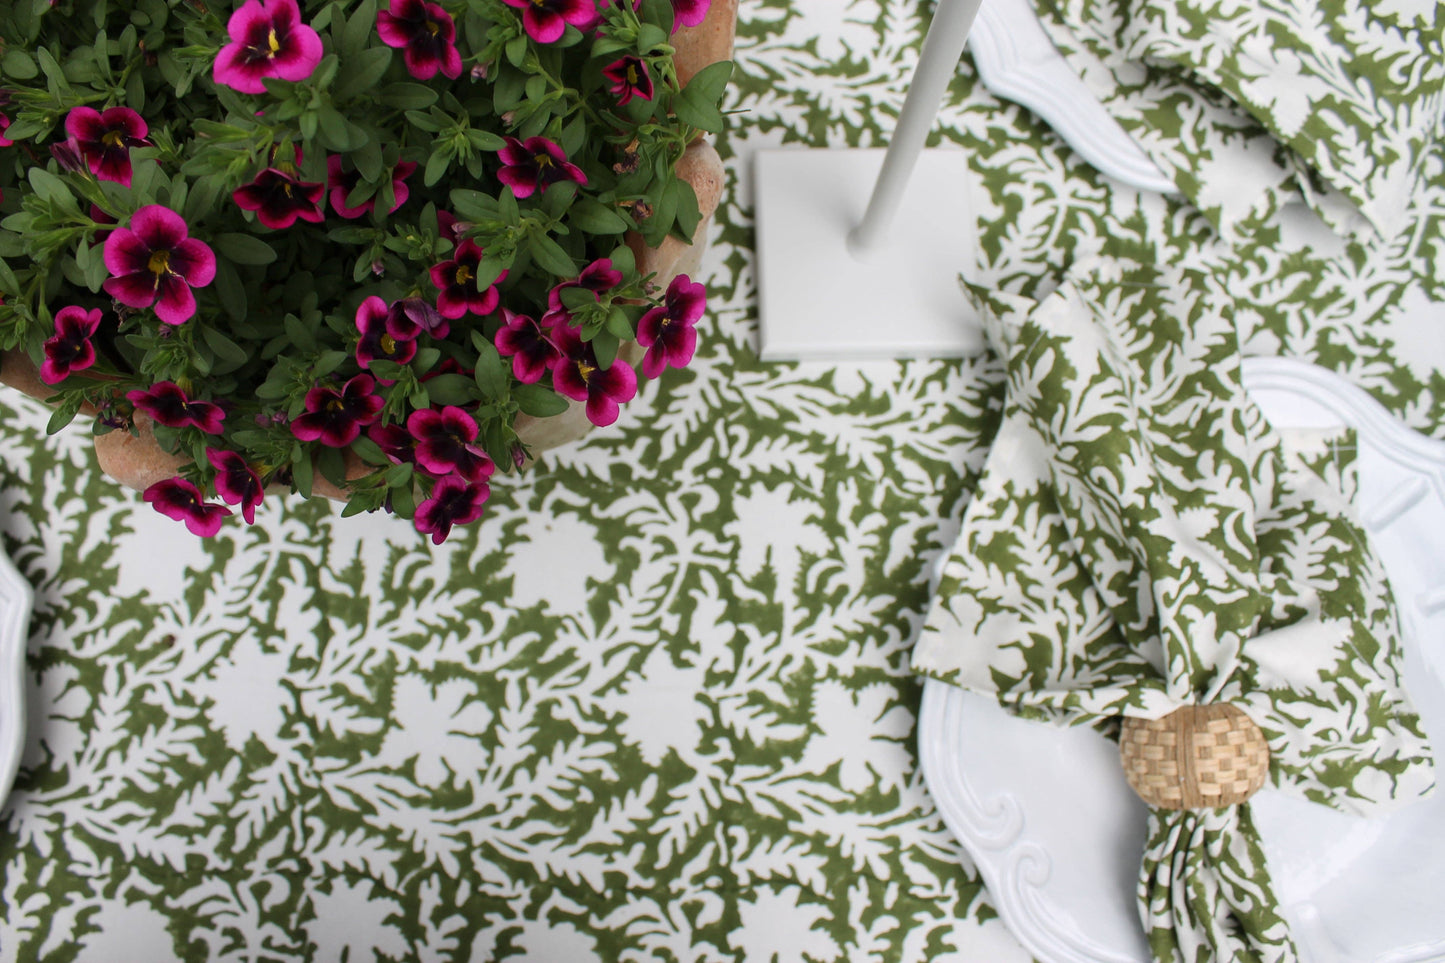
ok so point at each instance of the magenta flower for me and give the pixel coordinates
(105, 140)
(236, 482)
(395, 442)
(577, 375)
(425, 34)
(335, 418)
(546, 20)
(268, 39)
(279, 199)
(445, 443)
(410, 318)
(4, 126)
(343, 182)
(689, 13)
(535, 164)
(376, 341)
(154, 262)
(67, 155)
(452, 502)
(629, 78)
(457, 281)
(179, 499)
(598, 277)
(168, 405)
(667, 331)
(70, 349)
(527, 344)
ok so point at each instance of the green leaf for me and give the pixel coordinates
(244, 249)
(605, 345)
(437, 164)
(452, 389)
(696, 104)
(302, 472)
(475, 205)
(223, 347)
(231, 291)
(407, 96)
(549, 254)
(539, 401)
(491, 371)
(594, 217)
(617, 324)
(49, 187)
(19, 64)
(64, 414)
(357, 32)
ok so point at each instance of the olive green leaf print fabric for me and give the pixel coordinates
(1143, 540)
(1336, 102)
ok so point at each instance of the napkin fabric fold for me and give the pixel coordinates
(1250, 105)
(1142, 539)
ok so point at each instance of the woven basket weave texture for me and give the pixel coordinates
(1197, 757)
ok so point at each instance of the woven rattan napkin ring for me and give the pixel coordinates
(1197, 757)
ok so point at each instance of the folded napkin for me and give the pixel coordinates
(1249, 105)
(1142, 540)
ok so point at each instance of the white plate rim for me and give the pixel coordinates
(16, 598)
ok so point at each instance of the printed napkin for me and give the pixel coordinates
(1248, 105)
(1141, 540)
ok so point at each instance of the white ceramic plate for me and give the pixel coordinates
(1018, 61)
(1058, 835)
(15, 600)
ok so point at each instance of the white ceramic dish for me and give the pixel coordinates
(1057, 834)
(1018, 61)
(15, 600)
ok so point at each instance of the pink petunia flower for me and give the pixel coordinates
(4, 126)
(377, 343)
(268, 39)
(236, 482)
(153, 262)
(526, 342)
(578, 376)
(342, 182)
(629, 78)
(599, 277)
(168, 405)
(179, 499)
(535, 164)
(279, 199)
(105, 140)
(410, 318)
(689, 13)
(546, 20)
(453, 501)
(426, 35)
(446, 443)
(457, 282)
(70, 348)
(667, 331)
(335, 417)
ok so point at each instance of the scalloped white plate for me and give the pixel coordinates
(1058, 835)
(1017, 60)
(15, 601)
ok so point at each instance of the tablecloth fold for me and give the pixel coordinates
(1143, 540)
(1249, 105)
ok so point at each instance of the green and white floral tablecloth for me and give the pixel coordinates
(658, 705)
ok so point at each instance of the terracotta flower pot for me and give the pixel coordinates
(138, 461)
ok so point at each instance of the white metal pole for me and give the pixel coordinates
(942, 49)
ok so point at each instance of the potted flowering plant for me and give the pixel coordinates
(366, 248)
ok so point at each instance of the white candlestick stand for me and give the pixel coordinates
(836, 281)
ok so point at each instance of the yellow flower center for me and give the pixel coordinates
(464, 274)
(159, 263)
(113, 138)
(632, 75)
(335, 404)
(543, 161)
(388, 344)
(273, 45)
(433, 28)
(585, 369)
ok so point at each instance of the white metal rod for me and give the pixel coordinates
(942, 49)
